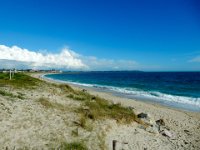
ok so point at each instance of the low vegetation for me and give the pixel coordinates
(8, 94)
(84, 123)
(19, 80)
(73, 146)
(48, 104)
(4, 93)
(80, 95)
(75, 132)
(65, 88)
(98, 108)
(45, 102)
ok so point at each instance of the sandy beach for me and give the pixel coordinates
(28, 123)
(176, 120)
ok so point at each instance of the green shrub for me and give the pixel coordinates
(45, 102)
(73, 146)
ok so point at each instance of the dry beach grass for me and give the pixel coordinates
(43, 114)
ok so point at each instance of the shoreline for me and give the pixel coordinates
(128, 102)
(115, 95)
(183, 125)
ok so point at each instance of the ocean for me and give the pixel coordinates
(174, 89)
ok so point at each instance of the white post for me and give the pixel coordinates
(10, 75)
(13, 73)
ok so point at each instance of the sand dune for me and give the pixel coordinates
(46, 118)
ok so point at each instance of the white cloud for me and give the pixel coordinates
(16, 57)
(196, 59)
(109, 64)
(66, 59)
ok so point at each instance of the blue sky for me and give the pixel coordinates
(124, 34)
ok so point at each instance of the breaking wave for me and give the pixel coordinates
(158, 96)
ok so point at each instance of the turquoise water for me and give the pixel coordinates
(176, 89)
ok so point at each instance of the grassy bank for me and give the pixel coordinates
(19, 80)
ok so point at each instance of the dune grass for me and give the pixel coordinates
(65, 88)
(99, 108)
(74, 132)
(48, 104)
(8, 94)
(102, 109)
(4, 93)
(84, 123)
(20, 80)
(73, 146)
(45, 102)
(80, 96)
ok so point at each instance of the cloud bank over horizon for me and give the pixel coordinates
(196, 59)
(66, 59)
(16, 57)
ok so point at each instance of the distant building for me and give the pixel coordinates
(30, 70)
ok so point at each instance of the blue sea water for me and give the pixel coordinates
(176, 89)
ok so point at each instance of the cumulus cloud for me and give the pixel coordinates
(16, 57)
(196, 59)
(66, 59)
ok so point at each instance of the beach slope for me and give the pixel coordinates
(43, 114)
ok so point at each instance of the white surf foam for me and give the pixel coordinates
(145, 94)
(148, 94)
